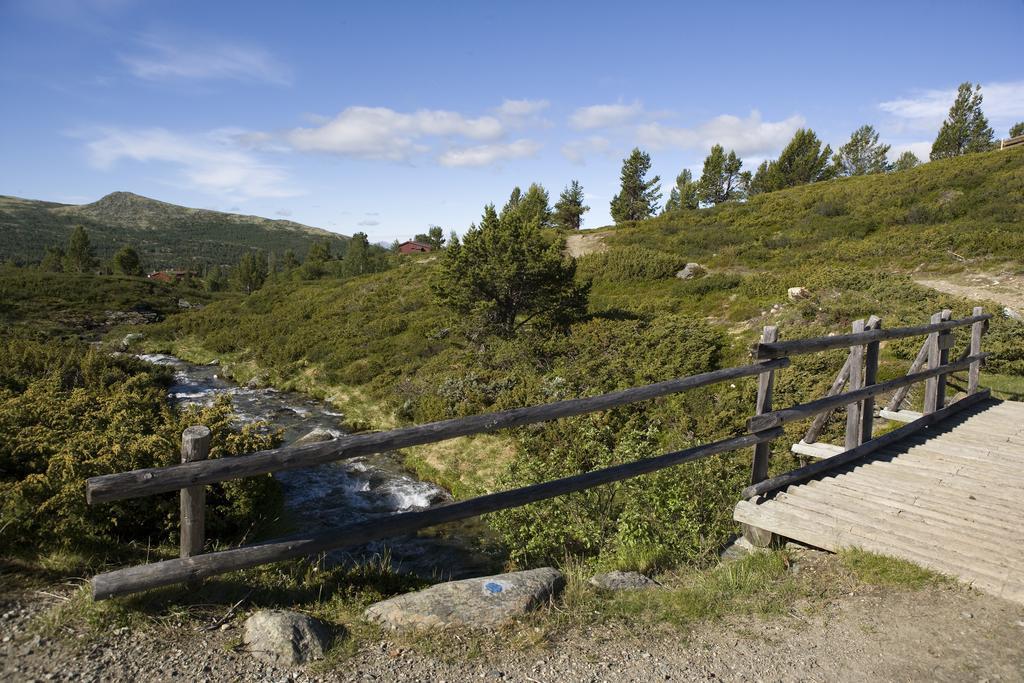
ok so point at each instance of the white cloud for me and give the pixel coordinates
(163, 59)
(522, 108)
(577, 151)
(283, 212)
(204, 162)
(368, 223)
(751, 135)
(1003, 103)
(485, 155)
(605, 115)
(382, 133)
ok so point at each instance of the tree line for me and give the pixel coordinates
(804, 160)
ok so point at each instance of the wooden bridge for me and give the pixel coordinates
(939, 490)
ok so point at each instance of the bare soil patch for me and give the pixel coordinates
(582, 244)
(1004, 288)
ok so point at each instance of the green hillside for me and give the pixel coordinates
(165, 235)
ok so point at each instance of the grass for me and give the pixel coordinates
(882, 570)
(1005, 387)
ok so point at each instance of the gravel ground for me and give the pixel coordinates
(933, 634)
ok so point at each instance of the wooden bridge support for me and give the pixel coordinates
(195, 445)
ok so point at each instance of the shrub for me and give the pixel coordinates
(99, 415)
(625, 265)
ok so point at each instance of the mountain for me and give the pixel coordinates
(165, 235)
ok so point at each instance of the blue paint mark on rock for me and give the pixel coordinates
(493, 587)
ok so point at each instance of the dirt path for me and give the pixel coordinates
(582, 244)
(1004, 288)
(934, 634)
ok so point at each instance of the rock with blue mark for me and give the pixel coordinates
(480, 603)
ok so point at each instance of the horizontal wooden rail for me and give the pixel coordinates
(146, 482)
(812, 408)
(808, 472)
(764, 351)
(188, 569)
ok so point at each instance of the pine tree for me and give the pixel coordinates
(126, 262)
(357, 256)
(536, 205)
(721, 179)
(569, 208)
(506, 273)
(251, 271)
(216, 279)
(862, 155)
(906, 161)
(513, 202)
(639, 197)
(434, 236)
(685, 195)
(289, 262)
(965, 129)
(319, 252)
(53, 262)
(1017, 129)
(802, 161)
(80, 256)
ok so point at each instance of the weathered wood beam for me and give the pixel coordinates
(813, 470)
(763, 351)
(974, 376)
(935, 387)
(181, 570)
(195, 446)
(146, 482)
(853, 410)
(805, 410)
(871, 353)
(765, 386)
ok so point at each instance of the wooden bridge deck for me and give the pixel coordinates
(948, 499)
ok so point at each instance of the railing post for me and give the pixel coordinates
(765, 386)
(853, 410)
(974, 375)
(938, 354)
(195, 445)
(870, 377)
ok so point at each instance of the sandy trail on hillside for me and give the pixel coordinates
(582, 244)
(1004, 288)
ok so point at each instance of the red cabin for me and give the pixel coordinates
(414, 247)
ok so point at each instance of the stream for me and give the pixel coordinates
(342, 493)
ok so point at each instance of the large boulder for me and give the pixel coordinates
(691, 271)
(797, 293)
(481, 603)
(286, 638)
(316, 435)
(622, 581)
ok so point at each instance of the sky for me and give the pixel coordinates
(389, 117)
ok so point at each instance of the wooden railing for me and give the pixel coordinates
(771, 355)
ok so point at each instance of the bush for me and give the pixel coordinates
(94, 414)
(626, 265)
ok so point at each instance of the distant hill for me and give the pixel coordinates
(166, 235)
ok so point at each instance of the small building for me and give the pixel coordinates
(170, 275)
(414, 247)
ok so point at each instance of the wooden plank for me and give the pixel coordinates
(966, 547)
(817, 450)
(195, 446)
(765, 384)
(960, 550)
(146, 482)
(805, 410)
(834, 539)
(934, 462)
(977, 532)
(870, 378)
(853, 410)
(764, 351)
(974, 374)
(144, 577)
(900, 415)
(900, 476)
(964, 507)
(931, 386)
(815, 469)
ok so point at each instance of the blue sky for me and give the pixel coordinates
(389, 117)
